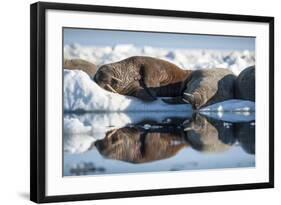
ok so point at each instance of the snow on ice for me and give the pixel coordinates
(184, 58)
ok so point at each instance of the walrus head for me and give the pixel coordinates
(143, 77)
(106, 79)
(114, 78)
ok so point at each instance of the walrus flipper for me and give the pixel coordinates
(145, 96)
(174, 100)
(190, 99)
(145, 93)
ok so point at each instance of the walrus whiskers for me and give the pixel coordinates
(111, 88)
(119, 80)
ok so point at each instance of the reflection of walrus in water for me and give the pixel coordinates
(143, 77)
(209, 136)
(206, 135)
(245, 84)
(136, 146)
(79, 64)
(246, 134)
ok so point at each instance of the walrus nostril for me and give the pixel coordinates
(99, 145)
(98, 78)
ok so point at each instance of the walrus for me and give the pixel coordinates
(79, 64)
(245, 84)
(205, 87)
(143, 77)
(134, 145)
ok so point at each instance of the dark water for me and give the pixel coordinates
(152, 142)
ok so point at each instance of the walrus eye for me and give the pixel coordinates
(113, 82)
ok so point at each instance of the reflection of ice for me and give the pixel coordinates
(94, 122)
(231, 117)
(78, 143)
(83, 168)
(102, 122)
(81, 131)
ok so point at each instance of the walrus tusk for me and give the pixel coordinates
(186, 122)
(188, 94)
(112, 133)
(117, 79)
(187, 129)
(111, 88)
(186, 101)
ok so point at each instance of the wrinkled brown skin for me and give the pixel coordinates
(79, 64)
(132, 145)
(245, 84)
(143, 77)
(209, 86)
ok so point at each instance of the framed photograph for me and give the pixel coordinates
(129, 102)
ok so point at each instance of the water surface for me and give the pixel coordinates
(114, 143)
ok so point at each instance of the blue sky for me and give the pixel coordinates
(94, 37)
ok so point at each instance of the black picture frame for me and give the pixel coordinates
(38, 101)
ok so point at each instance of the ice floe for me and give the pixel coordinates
(235, 60)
